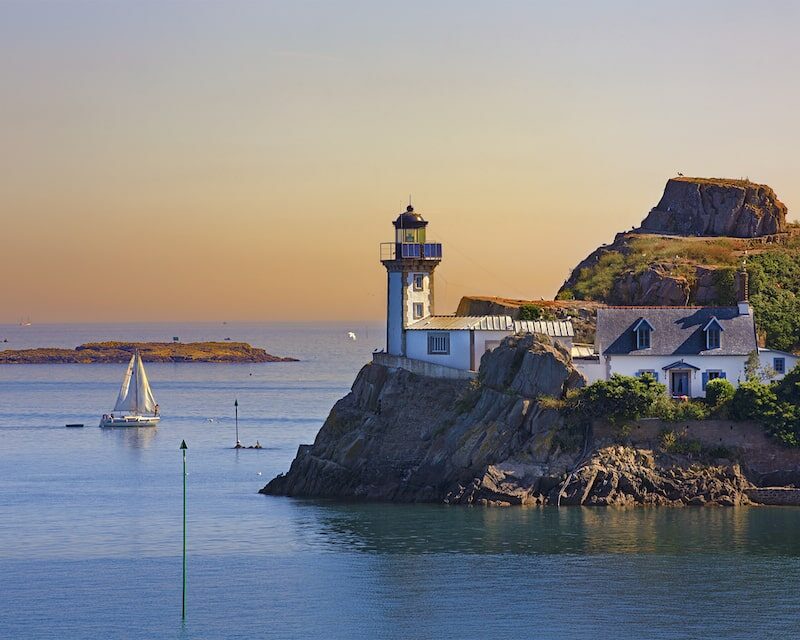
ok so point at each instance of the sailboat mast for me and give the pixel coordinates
(136, 386)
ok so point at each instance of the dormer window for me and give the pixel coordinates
(643, 329)
(713, 331)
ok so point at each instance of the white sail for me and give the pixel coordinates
(135, 395)
(123, 402)
(146, 403)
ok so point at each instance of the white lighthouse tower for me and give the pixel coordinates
(409, 262)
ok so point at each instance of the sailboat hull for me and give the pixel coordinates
(129, 421)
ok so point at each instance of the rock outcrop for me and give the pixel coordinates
(110, 352)
(716, 207)
(653, 286)
(497, 441)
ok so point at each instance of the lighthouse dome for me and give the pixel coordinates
(410, 219)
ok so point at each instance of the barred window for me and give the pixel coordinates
(439, 342)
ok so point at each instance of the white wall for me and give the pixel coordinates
(482, 337)
(412, 296)
(394, 314)
(594, 370)
(733, 366)
(417, 347)
(767, 357)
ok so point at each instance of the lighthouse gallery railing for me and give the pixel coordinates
(423, 251)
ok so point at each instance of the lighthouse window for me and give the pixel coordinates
(418, 278)
(439, 343)
(419, 310)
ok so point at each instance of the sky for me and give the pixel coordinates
(242, 161)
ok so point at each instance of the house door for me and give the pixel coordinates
(680, 383)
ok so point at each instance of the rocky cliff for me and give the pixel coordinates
(99, 352)
(716, 207)
(500, 440)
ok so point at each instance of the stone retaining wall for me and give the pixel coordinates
(421, 367)
(775, 496)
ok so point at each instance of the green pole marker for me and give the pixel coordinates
(236, 411)
(183, 595)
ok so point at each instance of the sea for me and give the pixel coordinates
(91, 531)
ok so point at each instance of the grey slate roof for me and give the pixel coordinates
(676, 331)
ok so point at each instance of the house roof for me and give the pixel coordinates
(680, 364)
(676, 330)
(493, 323)
(464, 323)
(554, 329)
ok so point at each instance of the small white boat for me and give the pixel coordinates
(136, 406)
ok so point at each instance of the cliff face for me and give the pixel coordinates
(716, 207)
(401, 437)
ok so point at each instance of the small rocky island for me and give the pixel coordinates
(501, 440)
(114, 352)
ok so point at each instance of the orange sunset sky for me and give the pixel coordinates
(242, 160)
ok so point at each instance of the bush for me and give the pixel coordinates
(719, 393)
(691, 410)
(780, 414)
(672, 442)
(535, 312)
(617, 400)
(753, 400)
(677, 411)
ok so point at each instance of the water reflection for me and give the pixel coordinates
(417, 529)
(132, 437)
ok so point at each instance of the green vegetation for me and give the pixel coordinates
(719, 394)
(776, 405)
(619, 400)
(624, 399)
(535, 312)
(775, 294)
(673, 442)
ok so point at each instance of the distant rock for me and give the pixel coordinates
(716, 207)
(111, 352)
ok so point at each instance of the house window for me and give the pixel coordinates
(712, 374)
(643, 337)
(418, 280)
(713, 338)
(651, 372)
(779, 364)
(439, 343)
(419, 309)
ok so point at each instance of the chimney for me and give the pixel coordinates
(743, 291)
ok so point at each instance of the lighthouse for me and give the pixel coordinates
(410, 262)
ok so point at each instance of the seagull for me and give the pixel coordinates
(351, 335)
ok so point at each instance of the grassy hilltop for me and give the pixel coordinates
(703, 271)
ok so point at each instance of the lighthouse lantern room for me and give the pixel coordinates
(410, 262)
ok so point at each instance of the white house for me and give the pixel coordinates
(777, 363)
(414, 332)
(683, 347)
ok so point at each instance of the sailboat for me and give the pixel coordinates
(136, 406)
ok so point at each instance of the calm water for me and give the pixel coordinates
(90, 528)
